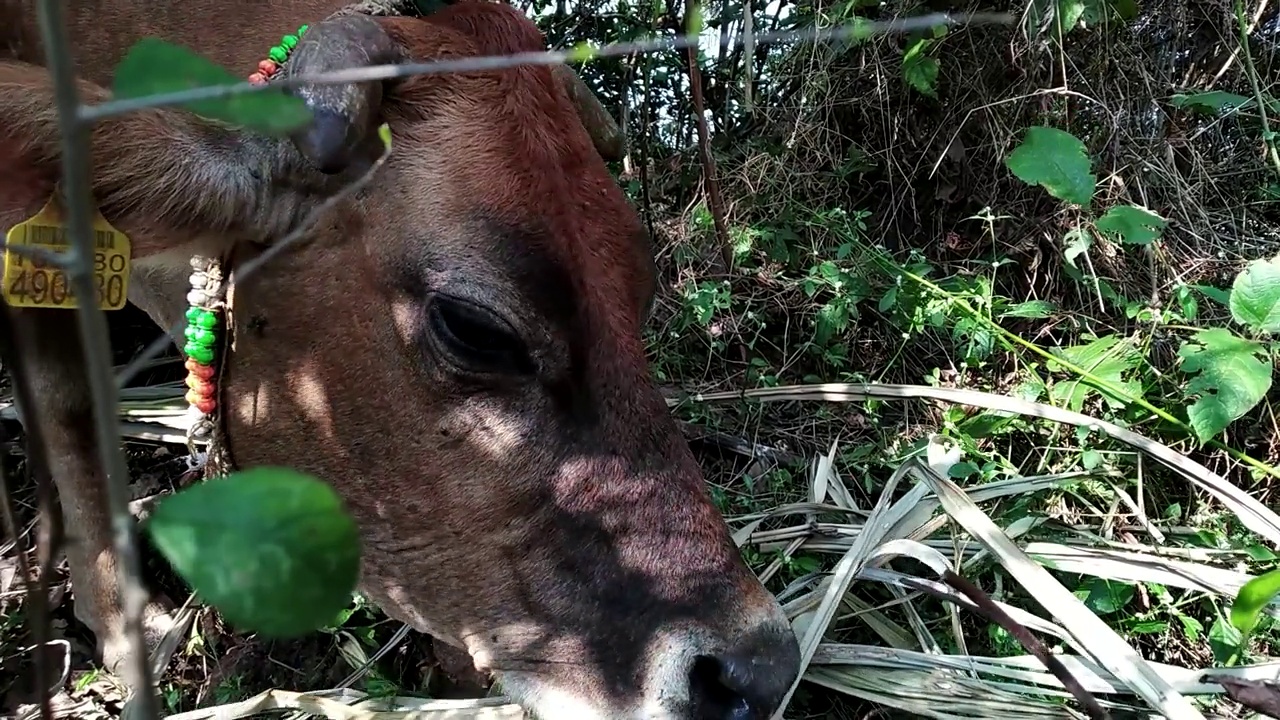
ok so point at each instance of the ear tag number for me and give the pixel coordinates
(36, 283)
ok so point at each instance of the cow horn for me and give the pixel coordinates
(605, 133)
(344, 116)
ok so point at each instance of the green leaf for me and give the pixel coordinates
(582, 52)
(1104, 597)
(1070, 11)
(1055, 160)
(271, 548)
(1036, 309)
(1224, 640)
(918, 69)
(1218, 295)
(1232, 375)
(1107, 358)
(153, 66)
(695, 22)
(1131, 224)
(1255, 296)
(1252, 598)
(1214, 101)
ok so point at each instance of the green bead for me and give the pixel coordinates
(289, 41)
(193, 312)
(200, 336)
(303, 29)
(278, 54)
(199, 353)
(206, 320)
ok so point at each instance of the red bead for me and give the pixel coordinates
(268, 68)
(204, 372)
(206, 405)
(257, 79)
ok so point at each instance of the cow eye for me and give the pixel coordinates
(475, 338)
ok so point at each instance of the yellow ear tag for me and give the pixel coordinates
(36, 283)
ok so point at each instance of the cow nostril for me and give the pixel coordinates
(748, 681)
(712, 692)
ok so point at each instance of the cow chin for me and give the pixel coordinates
(561, 678)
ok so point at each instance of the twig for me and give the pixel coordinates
(704, 146)
(1029, 642)
(35, 587)
(853, 31)
(97, 347)
(1251, 72)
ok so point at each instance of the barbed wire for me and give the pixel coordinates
(857, 30)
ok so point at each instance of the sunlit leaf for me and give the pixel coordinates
(272, 549)
(1231, 375)
(1055, 160)
(153, 66)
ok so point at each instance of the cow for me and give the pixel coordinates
(456, 348)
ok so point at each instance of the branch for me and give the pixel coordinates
(1029, 642)
(35, 587)
(97, 347)
(704, 149)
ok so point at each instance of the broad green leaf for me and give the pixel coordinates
(1214, 101)
(918, 69)
(1252, 598)
(271, 548)
(1255, 296)
(1218, 295)
(153, 66)
(1232, 375)
(1104, 597)
(1069, 11)
(1107, 358)
(1131, 224)
(1055, 160)
(1224, 640)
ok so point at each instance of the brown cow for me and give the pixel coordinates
(457, 349)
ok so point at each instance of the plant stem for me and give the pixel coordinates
(1076, 369)
(97, 347)
(1252, 74)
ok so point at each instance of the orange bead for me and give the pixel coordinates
(193, 397)
(204, 372)
(268, 67)
(206, 406)
(257, 79)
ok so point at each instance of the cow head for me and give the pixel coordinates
(457, 349)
